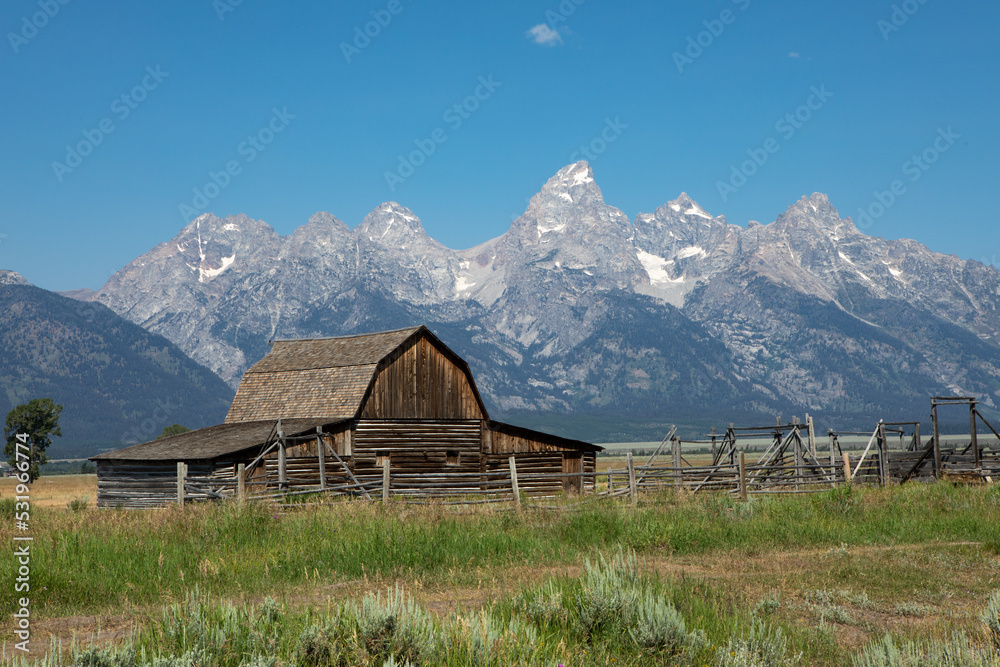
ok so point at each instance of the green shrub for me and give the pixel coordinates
(396, 628)
(105, 657)
(610, 593)
(196, 657)
(77, 504)
(767, 606)
(955, 652)
(660, 627)
(314, 648)
(542, 606)
(763, 646)
(991, 618)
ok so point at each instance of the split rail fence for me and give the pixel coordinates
(794, 462)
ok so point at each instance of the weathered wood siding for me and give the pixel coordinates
(302, 462)
(500, 442)
(147, 484)
(421, 382)
(423, 454)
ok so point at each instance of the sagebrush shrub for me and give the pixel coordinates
(763, 646)
(957, 651)
(396, 628)
(991, 618)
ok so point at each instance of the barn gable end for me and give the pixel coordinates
(423, 379)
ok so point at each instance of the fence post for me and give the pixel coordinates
(811, 425)
(632, 492)
(847, 467)
(282, 466)
(797, 450)
(743, 475)
(181, 475)
(610, 485)
(241, 482)
(833, 456)
(321, 455)
(513, 482)
(675, 446)
(883, 454)
(975, 436)
(385, 481)
(937, 440)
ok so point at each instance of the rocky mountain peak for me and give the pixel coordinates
(389, 223)
(814, 212)
(573, 184)
(684, 206)
(8, 277)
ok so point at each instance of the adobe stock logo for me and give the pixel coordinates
(249, 149)
(122, 107)
(915, 167)
(787, 126)
(455, 116)
(697, 44)
(31, 25)
(363, 35)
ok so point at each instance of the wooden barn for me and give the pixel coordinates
(343, 413)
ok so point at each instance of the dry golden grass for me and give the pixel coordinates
(56, 491)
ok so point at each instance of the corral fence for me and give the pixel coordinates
(795, 461)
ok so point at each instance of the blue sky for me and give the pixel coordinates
(163, 95)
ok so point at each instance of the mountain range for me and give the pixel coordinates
(593, 322)
(118, 383)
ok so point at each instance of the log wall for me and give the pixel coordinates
(148, 484)
(422, 454)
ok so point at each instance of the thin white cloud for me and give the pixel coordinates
(793, 54)
(544, 35)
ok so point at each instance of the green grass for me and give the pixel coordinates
(616, 612)
(95, 560)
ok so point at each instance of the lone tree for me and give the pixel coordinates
(173, 429)
(39, 419)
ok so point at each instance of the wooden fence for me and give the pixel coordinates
(769, 474)
(793, 462)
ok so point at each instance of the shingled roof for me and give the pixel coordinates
(319, 377)
(212, 442)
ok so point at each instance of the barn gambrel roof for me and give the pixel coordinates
(325, 377)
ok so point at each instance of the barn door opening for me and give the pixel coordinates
(573, 465)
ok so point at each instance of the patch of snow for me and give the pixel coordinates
(230, 227)
(387, 229)
(211, 273)
(864, 276)
(676, 207)
(655, 268)
(895, 272)
(845, 257)
(691, 251)
(697, 210)
(582, 176)
(462, 284)
(566, 196)
(544, 226)
(588, 272)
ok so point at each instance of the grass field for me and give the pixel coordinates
(833, 571)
